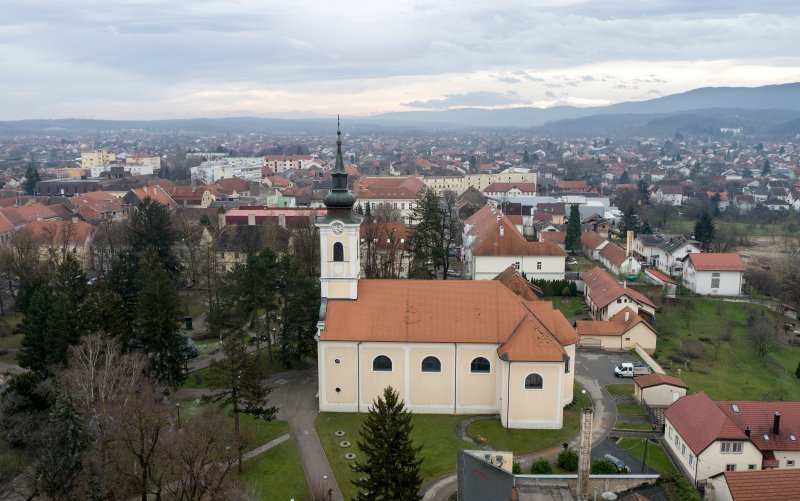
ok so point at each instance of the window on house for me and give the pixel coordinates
(669, 432)
(480, 365)
(715, 280)
(538, 265)
(736, 447)
(534, 382)
(382, 363)
(691, 459)
(619, 301)
(338, 251)
(566, 366)
(516, 265)
(676, 440)
(683, 449)
(751, 467)
(790, 462)
(431, 364)
(730, 467)
(725, 447)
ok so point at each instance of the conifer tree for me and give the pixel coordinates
(35, 337)
(151, 227)
(426, 242)
(31, 178)
(391, 469)
(704, 231)
(63, 443)
(573, 238)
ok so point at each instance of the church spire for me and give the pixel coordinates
(339, 197)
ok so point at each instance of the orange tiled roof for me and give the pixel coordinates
(557, 237)
(591, 239)
(77, 232)
(486, 229)
(717, 261)
(389, 187)
(758, 485)
(604, 288)
(614, 253)
(431, 311)
(700, 422)
(521, 287)
(99, 201)
(759, 417)
(656, 379)
(24, 214)
(155, 193)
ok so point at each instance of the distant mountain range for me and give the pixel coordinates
(771, 110)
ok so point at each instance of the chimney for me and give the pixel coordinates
(776, 424)
(251, 219)
(144, 188)
(502, 231)
(74, 219)
(628, 243)
(747, 430)
(627, 315)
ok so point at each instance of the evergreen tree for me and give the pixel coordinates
(151, 227)
(526, 157)
(766, 169)
(34, 354)
(630, 221)
(63, 443)
(31, 178)
(704, 230)
(157, 323)
(573, 237)
(426, 242)
(239, 383)
(644, 193)
(797, 371)
(625, 178)
(646, 229)
(473, 162)
(299, 298)
(391, 469)
(368, 214)
(65, 322)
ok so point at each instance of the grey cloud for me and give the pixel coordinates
(550, 94)
(508, 80)
(479, 98)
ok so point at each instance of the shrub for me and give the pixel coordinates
(516, 469)
(568, 460)
(555, 287)
(542, 467)
(602, 466)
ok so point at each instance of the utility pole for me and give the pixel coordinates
(644, 462)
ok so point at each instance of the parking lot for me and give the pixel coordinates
(599, 365)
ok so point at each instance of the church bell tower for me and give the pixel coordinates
(340, 255)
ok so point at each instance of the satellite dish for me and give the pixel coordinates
(609, 495)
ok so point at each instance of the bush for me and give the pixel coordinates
(602, 466)
(542, 467)
(516, 469)
(679, 488)
(555, 287)
(568, 460)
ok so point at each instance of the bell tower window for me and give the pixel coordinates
(338, 252)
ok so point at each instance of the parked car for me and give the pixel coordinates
(572, 261)
(631, 369)
(621, 467)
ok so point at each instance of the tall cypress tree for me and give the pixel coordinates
(151, 227)
(704, 231)
(392, 467)
(573, 238)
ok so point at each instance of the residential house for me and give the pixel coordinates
(670, 194)
(714, 273)
(100, 206)
(658, 390)
(622, 332)
(615, 258)
(557, 237)
(592, 244)
(57, 238)
(572, 186)
(707, 437)
(390, 193)
(503, 191)
(155, 193)
(606, 297)
(492, 243)
(753, 485)
(663, 251)
(556, 213)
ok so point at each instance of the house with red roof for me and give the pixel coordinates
(658, 390)
(754, 485)
(714, 273)
(622, 332)
(617, 260)
(707, 437)
(606, 297)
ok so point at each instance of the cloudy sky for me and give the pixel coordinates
(193, 58)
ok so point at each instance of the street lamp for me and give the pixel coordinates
(178, 407)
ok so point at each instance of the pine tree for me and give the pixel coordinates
(151, 227)
(526, 157)
(630, 221)
(704, 230)
(766, 169)
(64, 441)
(573, 239)
(35, 350)
(625, 178)
(645, 229)
(31, 178)
(426, 242)
(299, 297)
(157, 323)
(391, 469)
(65, 322)
(797, 371)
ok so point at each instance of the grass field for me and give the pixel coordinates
(13, 341)
(636, 410)
(620, 389)
(570, 307)
(735, 373)
(260, 431)
(622, 425)
(434, 432)
(684, 225)
(656, 456)
(197, 379)
(276, 474)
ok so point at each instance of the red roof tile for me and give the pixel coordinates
(488, 223)
(656, 379)
(760, 485)
(759, 417)
(614, 253)
(592, 240)
(660, 276)
(604, 289)
(699, 421)
(717, 261)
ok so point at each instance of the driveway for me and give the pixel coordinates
(599, 366)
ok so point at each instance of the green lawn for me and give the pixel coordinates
(13, 341)
(197, 379)
(636, 410)
(620, 389)
(259, 430)
(656, 456)
(434, 432)
(570, 306)
(737, 373)
(527, 441)
(680, 224)
(276, 474)
(622, 425)
(584, 264)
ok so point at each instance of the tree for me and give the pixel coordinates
(797, 371)
(157, 324)
(299, 308)
(61, 451)
(151, 227)
(644, 193)
(568, 460)
(426, 236)
(573, 239)
(31, 178)
(239, 383)
(766, 169)
(473, 162)
(391, 469)
(602, 466)
(35, 351)
(526, 157)
(625, 178)
(630, 221)
(762, 336)
(704, 231)
(645, 229)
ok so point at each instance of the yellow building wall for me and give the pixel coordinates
(642, 335)
(341, 375)
(533, 408)
(663, 394)
(431, 388)
(477, 391)
(374, 382)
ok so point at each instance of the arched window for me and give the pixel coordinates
(431, 364)
(480, 364)
(534, 382)
(338, 251)
(382, 363)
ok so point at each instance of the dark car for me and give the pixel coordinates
(621, 467)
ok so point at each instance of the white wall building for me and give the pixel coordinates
(714, 274)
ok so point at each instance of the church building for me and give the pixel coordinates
(447, 347)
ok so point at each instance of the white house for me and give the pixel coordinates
(605, 297)
(492, 243)
(672, 195)
(714, 273)
(664, 252)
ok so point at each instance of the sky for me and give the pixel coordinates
(151, 59)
